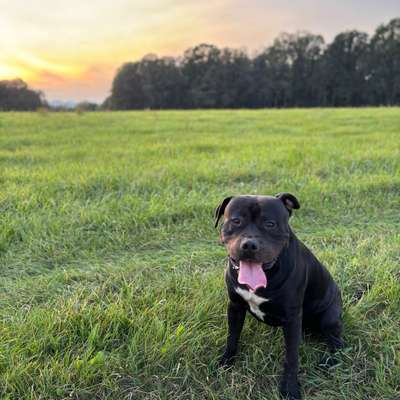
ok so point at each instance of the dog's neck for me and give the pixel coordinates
(283, 266)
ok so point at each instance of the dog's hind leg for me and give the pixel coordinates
(331, 328)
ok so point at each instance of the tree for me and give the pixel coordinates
(271, 84)
(234, 79)
(15, 95)
(385, 64)
(163, 82)
(200, 66)
(302, 51)
(344, 69)
(127, 88)
(150, 83)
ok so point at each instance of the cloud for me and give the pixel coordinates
(93, 83)
(48, 78)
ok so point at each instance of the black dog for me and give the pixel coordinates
(275, 277)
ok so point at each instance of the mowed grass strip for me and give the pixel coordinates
(112, 276)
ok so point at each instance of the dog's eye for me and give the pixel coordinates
(269, 224)
(236, 221)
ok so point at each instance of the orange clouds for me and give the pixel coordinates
(93, 83)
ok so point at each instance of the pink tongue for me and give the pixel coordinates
(252, 274)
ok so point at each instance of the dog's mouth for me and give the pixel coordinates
(252, 273)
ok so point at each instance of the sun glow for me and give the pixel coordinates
(12, 72)
(35, 63)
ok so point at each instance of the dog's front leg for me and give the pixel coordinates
(236, 316)
(290, 388)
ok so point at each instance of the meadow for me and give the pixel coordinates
(111, 274)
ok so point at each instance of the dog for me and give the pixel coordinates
(276, 278)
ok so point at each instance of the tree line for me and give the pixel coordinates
(297, 70)
(15, 95)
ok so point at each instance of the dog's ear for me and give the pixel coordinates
(289, 201)
(219, 211)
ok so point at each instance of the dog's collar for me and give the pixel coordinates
(234, 264)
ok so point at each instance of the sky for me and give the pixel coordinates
(71, 49)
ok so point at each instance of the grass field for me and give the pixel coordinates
(111, 274)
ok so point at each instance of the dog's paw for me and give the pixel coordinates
(327, 361)
(226, 361)
(290, 389)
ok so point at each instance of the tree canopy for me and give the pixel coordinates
(297, 70)
(15, 95)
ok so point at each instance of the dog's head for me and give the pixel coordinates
(255, 229)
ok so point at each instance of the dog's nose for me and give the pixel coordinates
(249, 245)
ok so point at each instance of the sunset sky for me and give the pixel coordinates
(71, 49)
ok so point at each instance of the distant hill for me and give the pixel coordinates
(67, 104)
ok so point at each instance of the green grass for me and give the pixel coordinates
(111, 274)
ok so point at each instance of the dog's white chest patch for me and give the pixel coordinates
(253, 300)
